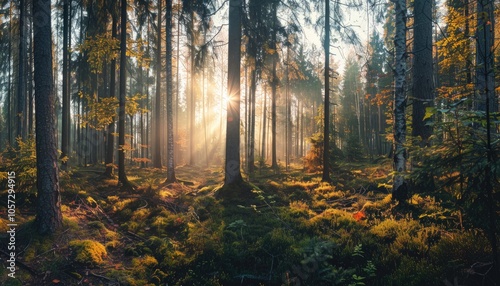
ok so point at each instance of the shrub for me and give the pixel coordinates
(22, 161)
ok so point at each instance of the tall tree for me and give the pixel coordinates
(21, 82)
(374, 86)
(170, 94)
(488, 103)
(422, 71)
(274, 83)
(156, 156)
(122, 176)
(326, 128)
(48, 215)
(65, 131)
(399, 184)
(112, 94)
(485, 75)
(232, 164)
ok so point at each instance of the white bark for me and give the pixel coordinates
(399, 99)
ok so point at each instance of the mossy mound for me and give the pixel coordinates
(87, 252)
(236, 193)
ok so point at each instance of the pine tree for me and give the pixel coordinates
(170, 93)
(48, 214)
(422, 70)
(232, 164)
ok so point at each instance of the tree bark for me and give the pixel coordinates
(487, 102)
(251, 135)
(264, 126)
(485, 75)
(274, 86)
(48, 214)
(170, 93)
(21, 83)
(399, 185)
(157, 143)
(326, 123)
(65, 131)
(232, 164)
(192, 104)
(423, 84)
(122, 176)
(112, 93)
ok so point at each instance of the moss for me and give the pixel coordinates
(87, 252)
(96, 224)
(146, 261)
(413, 272)
(141, 214)
(389, 229)
(144, 266)
(331, 221)
(112, 245)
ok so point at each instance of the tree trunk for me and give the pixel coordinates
(170, 93)
(157, 136)
(109, 162)
(232, 164)
(177, 87)
(264, 119)
(192, 105)
(9, 91)
(399, 191)
(251, 139)
(274, 86)
(122, 176)
(485, 84)
(31, 112)
(48, 214)
(423, 85)
(485, 75)
(326, 127)
(21, 83)
(65, 131)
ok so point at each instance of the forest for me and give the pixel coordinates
(249, 142)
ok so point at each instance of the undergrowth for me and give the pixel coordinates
(285, 229)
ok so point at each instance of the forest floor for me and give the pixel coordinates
(285, 228)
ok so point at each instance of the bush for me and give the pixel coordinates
(22, 161)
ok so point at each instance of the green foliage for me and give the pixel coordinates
(456, 171)
(20, 159)
(313, 160)
(320, 266)
(273, 237)
(100, 49)
(353, 150)
(104, 110)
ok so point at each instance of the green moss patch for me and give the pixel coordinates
(87, 252)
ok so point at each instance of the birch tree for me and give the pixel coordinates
(399, 184)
